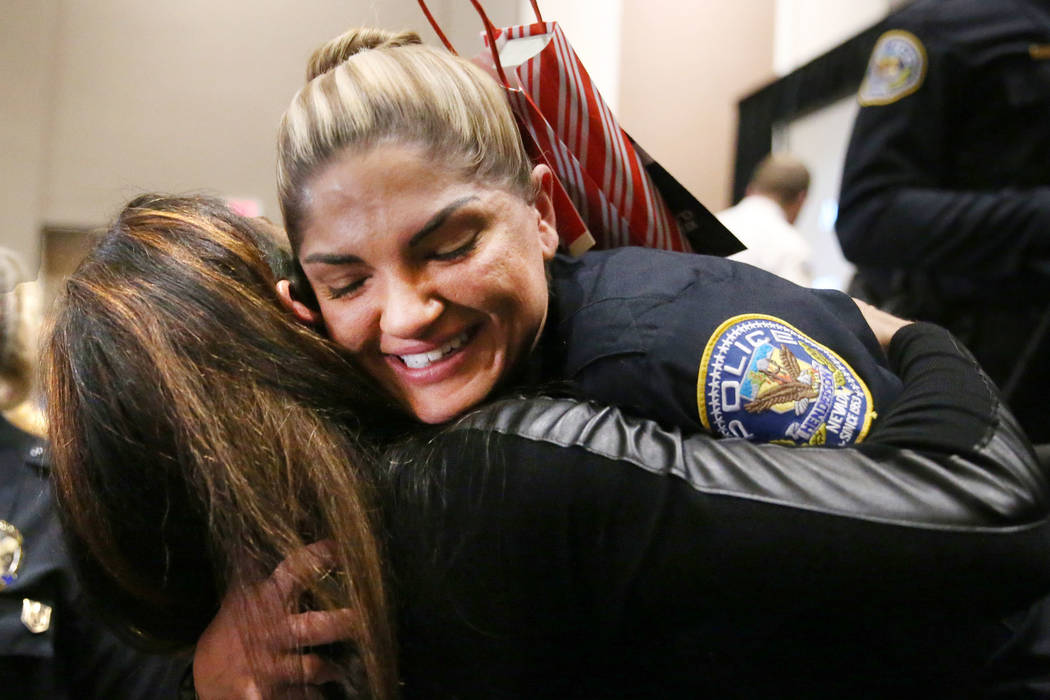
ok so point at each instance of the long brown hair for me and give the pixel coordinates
(201, 435)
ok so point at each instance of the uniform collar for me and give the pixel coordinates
(33, 449)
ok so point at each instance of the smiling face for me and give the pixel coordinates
(435, 283)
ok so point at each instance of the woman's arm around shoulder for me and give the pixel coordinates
(945, 494)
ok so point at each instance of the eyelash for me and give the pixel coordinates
(458, 252)
(339, 292)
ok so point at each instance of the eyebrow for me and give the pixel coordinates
(439, 219)
(429, 227)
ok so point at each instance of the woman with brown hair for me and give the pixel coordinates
(539, 547)
(200, 438)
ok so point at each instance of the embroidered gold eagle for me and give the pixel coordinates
(791, 383)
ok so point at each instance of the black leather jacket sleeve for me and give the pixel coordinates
(560, 525)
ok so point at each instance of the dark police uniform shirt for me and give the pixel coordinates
(703, 343)
(565, 550)
(50, 646)
(945, 203)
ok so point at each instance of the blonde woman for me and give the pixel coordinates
(428, 241)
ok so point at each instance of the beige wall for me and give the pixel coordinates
(107, 98)
(807, 28)
(594, 28)
(27, 31)
(683, 69)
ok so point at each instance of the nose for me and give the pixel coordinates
(410, 306)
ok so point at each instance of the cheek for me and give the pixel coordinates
(535, 299)
(347, 326)
(517, 295)
(490, 284)
(531, 283)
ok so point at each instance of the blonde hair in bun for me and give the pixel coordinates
(330, 54)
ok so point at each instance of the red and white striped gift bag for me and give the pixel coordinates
(607, 179)
(592, 156)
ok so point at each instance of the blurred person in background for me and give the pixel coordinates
(764, 219)
(945, 203)
(51, 647)
(17, 348)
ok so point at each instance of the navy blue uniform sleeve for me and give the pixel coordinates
(727, 348)
(928, 185)
(577, 550)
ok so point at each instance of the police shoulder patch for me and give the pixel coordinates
(896, 69)
(764, 380)
(11, 553)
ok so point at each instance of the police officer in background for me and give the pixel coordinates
(945, 204)
(51, 647)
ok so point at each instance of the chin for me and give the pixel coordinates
(436, 417)
(433, 412)
(447, 401)
(443, 410)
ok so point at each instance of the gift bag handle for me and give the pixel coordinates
(437, 28)
(490, 30)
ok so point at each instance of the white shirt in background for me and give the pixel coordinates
(772, 243)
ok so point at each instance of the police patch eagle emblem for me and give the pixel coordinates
(762, 379)
(896, 69)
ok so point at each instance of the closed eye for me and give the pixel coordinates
(458, 250)
(346, 289)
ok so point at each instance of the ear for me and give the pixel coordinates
(794, 208)
(543, 182)
(301, 311)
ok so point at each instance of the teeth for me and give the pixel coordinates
(425, 359)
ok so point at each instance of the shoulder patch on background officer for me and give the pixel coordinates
(764, 380)
(10, 553)
(896, 69)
